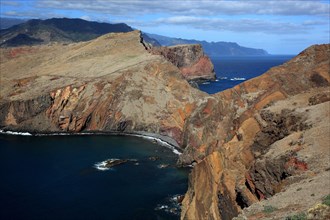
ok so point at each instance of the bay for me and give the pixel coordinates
(54, 177)
(231, 71)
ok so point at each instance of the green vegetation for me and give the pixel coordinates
(299, 216)
(269, 209)
(326, 200)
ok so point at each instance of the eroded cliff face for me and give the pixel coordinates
(276, 137)
(190, 59)
(109, 84)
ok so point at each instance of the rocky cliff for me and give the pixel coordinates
(268, 145)
(109, 84)
(190, 59)
(264, 139)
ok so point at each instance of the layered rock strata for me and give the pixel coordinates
(272, 143)
(190, 59)
(249, 143)
(109, 84)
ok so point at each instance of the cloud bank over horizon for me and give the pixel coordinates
(272, 25)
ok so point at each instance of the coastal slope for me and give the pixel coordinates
(190, 59)
(108, 84)
(263, 139)
(268, 147)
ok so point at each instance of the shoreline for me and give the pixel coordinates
(153, 137)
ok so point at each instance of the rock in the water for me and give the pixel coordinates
(114, 162)
(153, 158)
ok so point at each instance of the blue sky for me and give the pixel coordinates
(280, 27)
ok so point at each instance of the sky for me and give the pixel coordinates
(278, 26)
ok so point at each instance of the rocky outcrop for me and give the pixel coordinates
(254, 141)
(190, 59)
(266, 141)
(111, 84)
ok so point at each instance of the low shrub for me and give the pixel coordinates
(299, 216)
(269, 209)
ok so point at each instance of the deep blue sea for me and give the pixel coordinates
(231, 71)
(53, 177)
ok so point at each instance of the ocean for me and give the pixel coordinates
(56, 177)
(59, 177)
(232, 71)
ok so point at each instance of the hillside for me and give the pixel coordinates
(65, 30)
(262, 147)
(259, 150)
(9, 22)
(212, 49)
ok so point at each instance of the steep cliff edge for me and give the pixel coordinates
(271, 142)
(190, 59)
(111, 83)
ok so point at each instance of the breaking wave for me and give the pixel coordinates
(15, 133)
(237, 79)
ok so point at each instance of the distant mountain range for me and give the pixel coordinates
(17, 32)
(8, 22)
(38, 31)
(212, 48)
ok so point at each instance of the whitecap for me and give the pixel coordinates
(161, 207)
(101, 166)
(238, 79)
(15, 133)
(159, 141)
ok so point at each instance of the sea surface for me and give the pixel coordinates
(232, 71)
(56, 177)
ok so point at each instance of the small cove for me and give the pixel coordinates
(53, 177)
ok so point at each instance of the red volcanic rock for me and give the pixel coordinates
(190, 59)
(271, 131)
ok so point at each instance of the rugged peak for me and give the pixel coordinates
(111, 83)
(190, 59)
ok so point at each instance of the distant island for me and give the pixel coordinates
(17, 32)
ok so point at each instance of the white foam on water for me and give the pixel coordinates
(154, 139)
(160, 207)
(101, 166)
(160, 142)
(238, 79)
(15, 133)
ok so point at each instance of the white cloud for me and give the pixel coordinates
(315, 22)
(9, 3)
(32, 14)
(86, 17)
(193, 7)
(240, 25)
